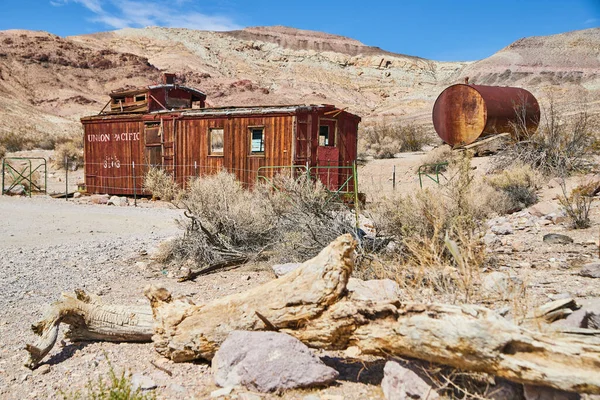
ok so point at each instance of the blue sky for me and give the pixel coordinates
(436, 29)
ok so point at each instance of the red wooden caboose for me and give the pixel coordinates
(168, 126)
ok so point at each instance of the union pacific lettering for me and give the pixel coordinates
(116, 137)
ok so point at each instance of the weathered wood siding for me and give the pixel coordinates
(192, 146)
(110, 149)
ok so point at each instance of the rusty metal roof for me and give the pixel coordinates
(224, 111)
(159, 86)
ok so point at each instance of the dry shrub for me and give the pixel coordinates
(161, 185)
(384, 139)
(578, 204)
(12, 141)
(519, 183)
(286, 220)
(2, 151)
(438, 234)
(71, 150)
(562, 144)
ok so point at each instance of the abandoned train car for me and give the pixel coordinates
(168, 126)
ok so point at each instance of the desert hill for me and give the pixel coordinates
(48, 82)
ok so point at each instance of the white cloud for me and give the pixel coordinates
(135, 13)
(590, 21)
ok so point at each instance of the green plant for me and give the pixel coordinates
(578, 204)
(118, 387)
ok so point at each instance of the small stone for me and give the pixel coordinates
(373, 290)
(500, 284)
(557, 238)
(402, 383)
(352, 352)
(226, 391)
(99, 198)
(591, 270)
(491, 240)
(76, 195)
(268, 362)
(504, 229)
(141, 381)
(546, 393)
(524, 264)
(283, 269)
(43, 369)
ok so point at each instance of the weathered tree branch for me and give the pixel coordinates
(89, 319)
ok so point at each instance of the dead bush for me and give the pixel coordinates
(2, 151)
(384, 139)
(519, 183)
(161, 185)
(12, 141)
(437, 234)
(71, 150)
(577, 205)
(561, 145)
(285, 220)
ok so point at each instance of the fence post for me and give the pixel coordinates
(66, 178)
(134, 185)
(394, 178)
(355, 195)
(3, 161)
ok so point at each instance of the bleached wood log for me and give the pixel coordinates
(185, 331)
(89, 319)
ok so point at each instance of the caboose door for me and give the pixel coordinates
(328, 154)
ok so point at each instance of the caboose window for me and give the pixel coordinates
(257, 140)
(216, 136)
(324, 136)
(140, 97)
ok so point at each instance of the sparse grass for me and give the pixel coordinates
(437, 232)
(71, 150)
(161, 185)
(384, 139)
(562, 145)
(117, 387)
(519, 183)
(577, 205)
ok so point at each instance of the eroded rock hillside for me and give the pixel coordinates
(47, 83)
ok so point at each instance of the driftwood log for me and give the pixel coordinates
(89, 319)
(311, 303)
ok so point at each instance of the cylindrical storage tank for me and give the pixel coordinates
(462, 113)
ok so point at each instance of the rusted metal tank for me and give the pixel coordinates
(462, 113)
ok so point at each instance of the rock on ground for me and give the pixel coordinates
(401, 383)
(268, 362)
(282, 269)
(500, 284)
(546, 393)
(373, 290)
(588, 316)
(557, 238)
(591, 270)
